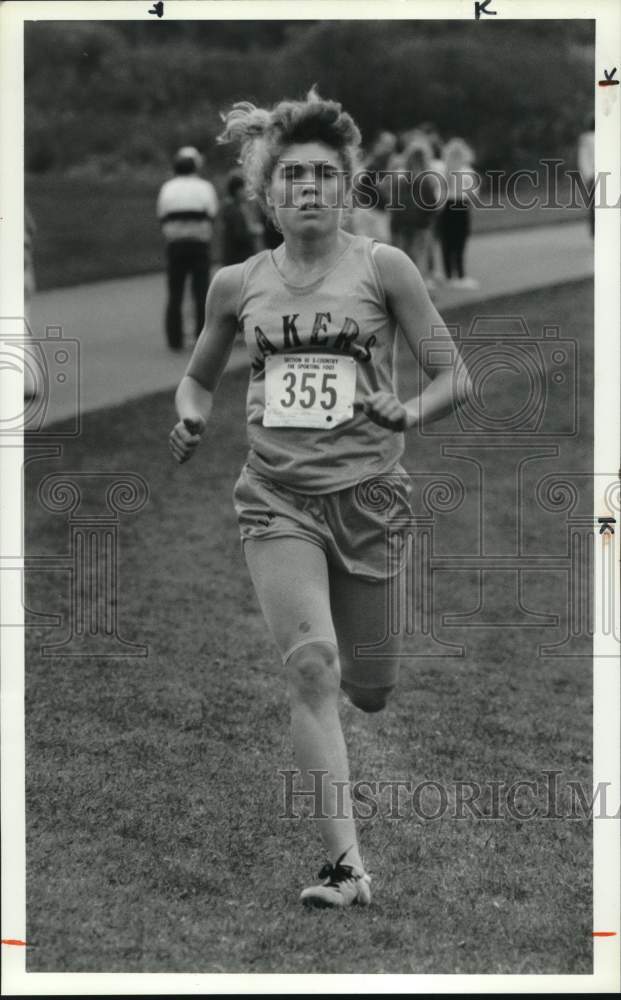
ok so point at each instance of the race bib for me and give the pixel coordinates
(309, 390)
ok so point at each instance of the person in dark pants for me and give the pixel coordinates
(454, 232)
(454, 220)
(186, 257)
(186, 207)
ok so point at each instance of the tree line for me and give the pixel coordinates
(113, 97)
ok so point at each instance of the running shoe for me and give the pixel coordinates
(343, 886)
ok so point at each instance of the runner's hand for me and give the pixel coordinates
(384, 408)
(184, 438)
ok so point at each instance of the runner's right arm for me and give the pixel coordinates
(194, 396)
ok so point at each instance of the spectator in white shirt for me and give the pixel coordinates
(186, 207)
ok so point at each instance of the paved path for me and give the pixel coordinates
(119, 323)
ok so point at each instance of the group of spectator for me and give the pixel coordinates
(414, 193)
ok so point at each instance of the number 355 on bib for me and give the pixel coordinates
(309, 390)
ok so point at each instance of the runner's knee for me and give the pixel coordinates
(313, 673)
(367, 699)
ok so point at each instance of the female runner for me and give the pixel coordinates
(319, 315)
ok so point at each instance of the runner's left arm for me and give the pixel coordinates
(419, 320)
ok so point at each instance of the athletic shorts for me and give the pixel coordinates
(354, 526)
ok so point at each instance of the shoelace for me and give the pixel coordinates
(338, 872)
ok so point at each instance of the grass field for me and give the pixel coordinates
(153, 794)
(91, 230)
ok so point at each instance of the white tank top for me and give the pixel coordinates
(343, 312)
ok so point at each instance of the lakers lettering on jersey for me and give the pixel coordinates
(314, 332)
(316, 351)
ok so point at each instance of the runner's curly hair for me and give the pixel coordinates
(263, 135)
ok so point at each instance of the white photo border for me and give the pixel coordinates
(607, 447)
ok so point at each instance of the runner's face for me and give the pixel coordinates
(307, 189)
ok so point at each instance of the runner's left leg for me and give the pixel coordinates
(290, 577)
(362, 611)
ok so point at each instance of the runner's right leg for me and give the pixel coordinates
(290, 577)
